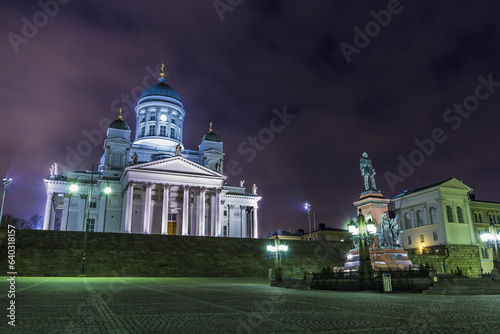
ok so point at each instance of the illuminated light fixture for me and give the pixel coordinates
(107, 190)
(282, 248)
(353, 229)
(370, 227)
(485, 237)
(349, 256)
(73, 187)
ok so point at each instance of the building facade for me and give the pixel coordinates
(157, 186)
(445, 220)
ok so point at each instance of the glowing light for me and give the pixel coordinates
(107, 190)
(485, 237)
(353, 229)
(371, 228)
(73, 187)
(283, 248)
(271, 248)
(349, 256)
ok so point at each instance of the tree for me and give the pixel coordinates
(36, 222)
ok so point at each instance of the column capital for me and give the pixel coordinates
(149, 184)
(186, 187)
(166, 186)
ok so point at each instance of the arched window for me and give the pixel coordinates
(407, 221)
(449, 214)
(143, 131)
(152, 130)
(420, 218)
(434, 219)
(475, 217)
(460, 215)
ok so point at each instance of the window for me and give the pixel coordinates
(172, 133)
(143, 130)
(409, 240)
(407, 221)
(224, 231)
(484, 253)
(475, 217)
(163, 131)
(93, 205)
(422, 239)
(173, 121)
(172, 216)
(449, 214)
(460, 215)
(91, 225)
(152, 118)
(480, 218)
(434, 219)
(420, 218)
(436, 238)
(152, 130)
(225, 213)
(143, 119)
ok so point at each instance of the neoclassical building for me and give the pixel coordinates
(157, 186)
(445, 219)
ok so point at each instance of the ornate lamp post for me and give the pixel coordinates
(363, 234)
(6, 182)
(492, 240)
(308, 208)
(277, 251)
(73, 188)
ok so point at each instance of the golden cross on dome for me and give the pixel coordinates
(210, 127)
(162, 73)
(120, 117)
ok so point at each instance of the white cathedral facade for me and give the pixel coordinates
(157, 186)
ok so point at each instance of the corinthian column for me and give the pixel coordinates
(185, 211)
(255, 226)
(201, 226)
(48, 211)
(164, 219)
(147, 210)
(128, 208)
(217, 213)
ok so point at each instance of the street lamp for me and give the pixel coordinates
(490, 241)
(73, 188)
(363, 234)
(277, 251)
(6, 182)
(308, 207)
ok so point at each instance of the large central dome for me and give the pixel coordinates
(162, 89)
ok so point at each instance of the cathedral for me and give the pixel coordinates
(153, 184)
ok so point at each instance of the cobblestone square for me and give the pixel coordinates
(232, 305)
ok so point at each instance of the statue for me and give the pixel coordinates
(254, 189)
(178, 149)
(217, 167)
(367, 171)
(53, 171)
(385, 236)
(395, 231)
(134, 158)
(242, 182)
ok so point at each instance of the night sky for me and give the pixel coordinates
(385, 93)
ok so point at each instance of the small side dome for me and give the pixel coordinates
(210, 136)
(119, 124)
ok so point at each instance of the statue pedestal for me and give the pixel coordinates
(381, 258)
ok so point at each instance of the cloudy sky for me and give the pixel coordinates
(388, 78)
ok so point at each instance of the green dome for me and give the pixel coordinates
(211, 136)
(119, 124)
(162, 89)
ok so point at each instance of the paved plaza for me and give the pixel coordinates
(232, 305)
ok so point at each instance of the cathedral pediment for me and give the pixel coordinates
(174, 165)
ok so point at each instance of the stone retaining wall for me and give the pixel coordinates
(465, 257)
(58, 253)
